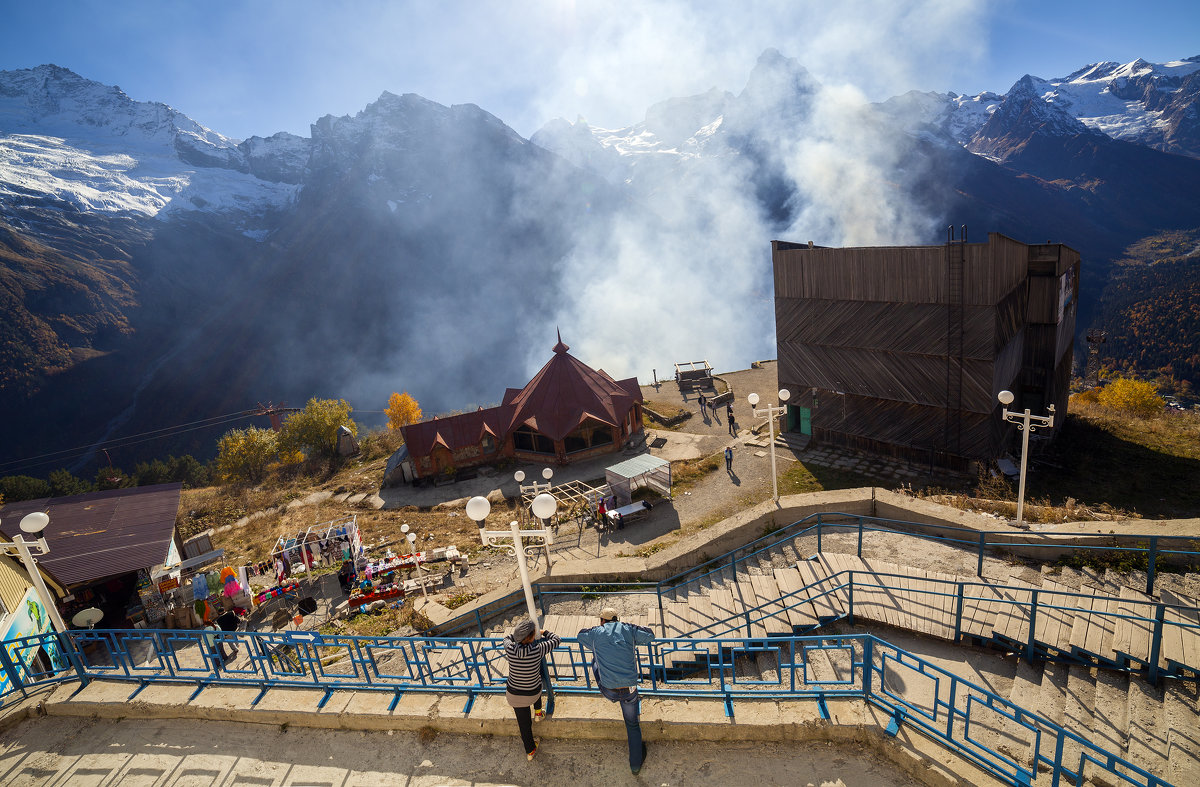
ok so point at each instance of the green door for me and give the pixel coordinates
(805, 420)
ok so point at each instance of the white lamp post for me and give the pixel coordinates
(543, 508)
(412, 545)
(34, 524)
(1026, 423)
(770, 413)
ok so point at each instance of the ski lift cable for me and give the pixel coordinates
(153, 434)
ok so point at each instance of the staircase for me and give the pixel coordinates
(1085, 627)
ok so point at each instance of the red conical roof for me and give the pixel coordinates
(566, 392)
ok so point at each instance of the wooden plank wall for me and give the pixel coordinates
(900, 377)
(867, 329)
(899, 274)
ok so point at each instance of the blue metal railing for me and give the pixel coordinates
(1014, 745)
(1147, 547)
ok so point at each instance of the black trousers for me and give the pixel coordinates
(525, 725)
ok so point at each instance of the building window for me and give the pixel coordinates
(589, 436)
(488, 444)
(526, 439)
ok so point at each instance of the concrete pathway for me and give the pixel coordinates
(135, 752)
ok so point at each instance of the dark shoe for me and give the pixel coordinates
(638, 769)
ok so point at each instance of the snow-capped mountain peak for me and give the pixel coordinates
(69, 139)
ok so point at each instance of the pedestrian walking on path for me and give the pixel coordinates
(732, 426)
(703, 410)
(615, 667)
(525, 652)
(729, 459)
(729, 411)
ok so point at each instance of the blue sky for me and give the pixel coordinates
(245, 68)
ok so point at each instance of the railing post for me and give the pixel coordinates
(982, 544)
(860, 535)
(1153, 557)
(850, 600)
(1156, 643)
(868, 663)
(958, 612)
(14, 676)
(479, 622)
(819, 527)
(73, 655)
(1033, 599)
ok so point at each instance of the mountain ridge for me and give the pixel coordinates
(415, 245)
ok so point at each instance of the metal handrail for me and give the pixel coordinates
(913, 691)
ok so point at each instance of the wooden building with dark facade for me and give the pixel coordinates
(901, 350)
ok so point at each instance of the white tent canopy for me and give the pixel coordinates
(643, 470)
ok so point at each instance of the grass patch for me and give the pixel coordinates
(668, 410)
(454, 602)
(686, 473)
(1146, 465)
(800, 478)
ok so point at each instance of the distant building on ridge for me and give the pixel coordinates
(901, 350)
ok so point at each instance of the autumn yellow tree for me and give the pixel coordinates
(402, 410)
(245, 454)
(1132, 396)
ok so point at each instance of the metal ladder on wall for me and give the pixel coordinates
(956, 255)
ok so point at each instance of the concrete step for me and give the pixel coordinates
(1146, 736)
(770, 609)
(1078, 709)
(1012, 614)
(799, 610)
(727, 611)
(1131, 639)
(1181, 632)
(1110, 712)
(1056, 617)
(1181, 709)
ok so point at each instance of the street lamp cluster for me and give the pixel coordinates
(543, 506)
(770, 414)
(1026, 423)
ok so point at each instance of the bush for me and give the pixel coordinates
(245, 454)
(63, 484)
(112, 477)
(314, 429)
(23, 487)
(1132, 396)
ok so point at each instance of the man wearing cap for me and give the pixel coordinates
(616, 667)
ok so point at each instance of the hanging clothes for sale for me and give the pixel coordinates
(199, 587)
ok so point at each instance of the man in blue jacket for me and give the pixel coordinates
(615, 647)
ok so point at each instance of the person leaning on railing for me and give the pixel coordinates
(616, 668)
(525, 652)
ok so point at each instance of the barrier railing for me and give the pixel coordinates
(1148, 549)
(1016, 746)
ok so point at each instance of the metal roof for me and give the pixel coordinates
(636, 466)
(101, 534)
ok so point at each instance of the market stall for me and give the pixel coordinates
(645, 470)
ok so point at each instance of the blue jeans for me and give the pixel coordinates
(630, 709)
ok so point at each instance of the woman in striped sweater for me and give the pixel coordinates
(525, 651)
